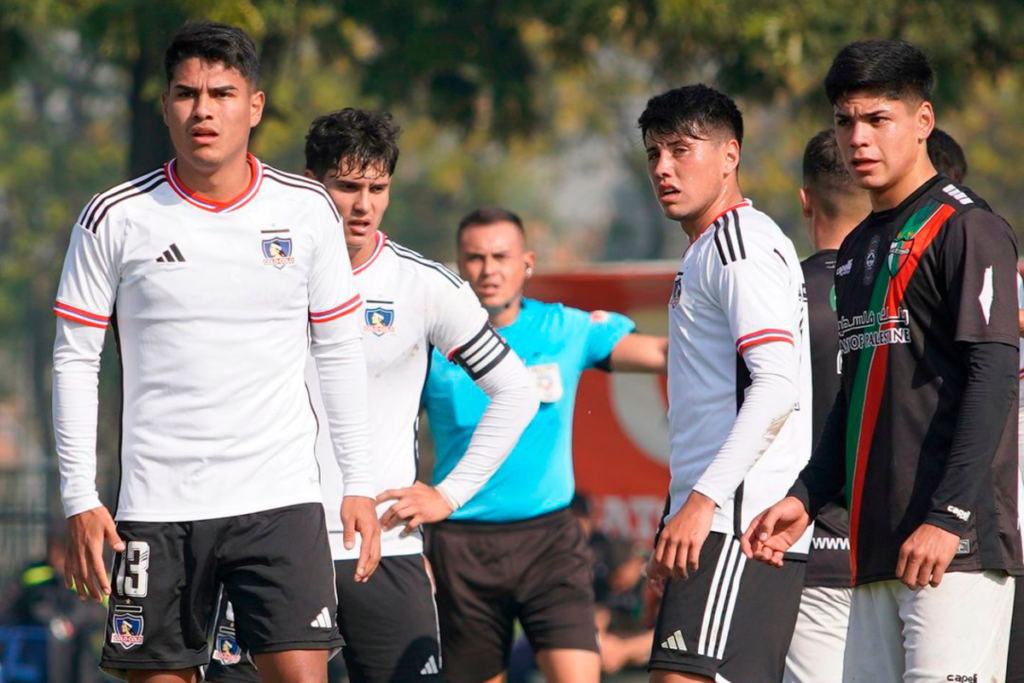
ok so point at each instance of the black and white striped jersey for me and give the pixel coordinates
(739, 286)
(212, 304)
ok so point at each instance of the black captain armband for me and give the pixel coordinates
(479, 356)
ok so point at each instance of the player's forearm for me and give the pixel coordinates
(513, 404)
(76, 366)
(640, 353)
(824, 477)
(342, 371)
(771, 398)
(987, 399)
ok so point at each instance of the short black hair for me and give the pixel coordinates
(893, 69)
(489, 215)
(696, 111)
(213, 42)
(825, 173)
(359, 139)
(946, 155)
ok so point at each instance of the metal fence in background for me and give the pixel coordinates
(26, 511)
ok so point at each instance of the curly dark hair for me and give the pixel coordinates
(355, 139)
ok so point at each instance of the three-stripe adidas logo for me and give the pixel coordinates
(430, 667)
(171, 255)
(323, 620)
(675, 642)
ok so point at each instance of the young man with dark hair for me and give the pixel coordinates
(739, 401)
(412, 305)
(923, 433)
(832, 205)
(946, 155)
(221, 271)
(515, 551)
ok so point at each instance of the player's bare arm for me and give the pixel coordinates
(640, 353)
(679, 544)
(773, 532)
(415, 505)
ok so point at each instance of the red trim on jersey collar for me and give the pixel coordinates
(378, 247)
(197, 200)
(745, 202)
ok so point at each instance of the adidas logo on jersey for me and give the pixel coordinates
(675, 642)
(957, 194)
(171, 255)
(430, 667)
(323, 620)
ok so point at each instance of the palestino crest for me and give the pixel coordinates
(128, 625)
(277, 252)
(379, 320)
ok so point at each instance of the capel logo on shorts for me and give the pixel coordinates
(128, 625)
(962, 678)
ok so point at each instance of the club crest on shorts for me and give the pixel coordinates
(226, 650)
(379, 320)
(277, 252)
(127, 626)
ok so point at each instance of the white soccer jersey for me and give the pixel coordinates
(212, 305)
(411, 305)
(739, 285)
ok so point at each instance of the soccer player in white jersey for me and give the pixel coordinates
(412, 305)
(216, 273)
(739, 401)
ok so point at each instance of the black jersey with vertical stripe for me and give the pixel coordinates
(915, 285)
(829, 562)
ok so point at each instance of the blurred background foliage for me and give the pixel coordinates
(530, 104)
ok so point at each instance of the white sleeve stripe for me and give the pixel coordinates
(762, 336)
(481, 350)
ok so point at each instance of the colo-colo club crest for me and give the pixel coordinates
(277, 252)
(227, 651)
(379, 320)
(128, 625)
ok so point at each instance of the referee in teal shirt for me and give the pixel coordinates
(514, 551)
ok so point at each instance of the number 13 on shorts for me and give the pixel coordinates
(133, 570)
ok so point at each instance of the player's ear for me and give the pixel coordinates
(731, 157)
(256, 103)
(925, 119)
(163, 106)
(531, 261)
(309, 174)
(805, 203)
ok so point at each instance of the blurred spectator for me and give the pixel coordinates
(624, 612)
(74, 629)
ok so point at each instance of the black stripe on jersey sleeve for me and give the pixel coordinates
(482, 353)
(305, 184)
(739, 233)
(728, 239)
(99, 200)
(409, 255)
(718, 245)
(99, 215)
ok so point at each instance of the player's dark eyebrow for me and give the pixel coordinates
(219, 89)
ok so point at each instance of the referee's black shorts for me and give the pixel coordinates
(538, 571)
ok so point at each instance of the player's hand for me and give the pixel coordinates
(775, 530)
(358, 514)
(415, 505)
(655, 578)
(925, 555)
(84, 569)
(679, 544)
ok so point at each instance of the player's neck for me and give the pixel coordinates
(892, 195)
(360, 255)
(507, 314)
(729, 197)
(829, 234)
(221, 184)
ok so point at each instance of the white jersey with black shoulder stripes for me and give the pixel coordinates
(411, 306)
(739, 285)
(212, 305)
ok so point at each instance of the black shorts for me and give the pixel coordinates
(275, 567)
(389, 625)
(1015, 664)
(538, 571)
(732, 619)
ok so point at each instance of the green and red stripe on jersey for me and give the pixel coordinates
(890, 287)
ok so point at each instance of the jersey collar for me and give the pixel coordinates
(197, 200)
(740, 205)
(378, 247)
